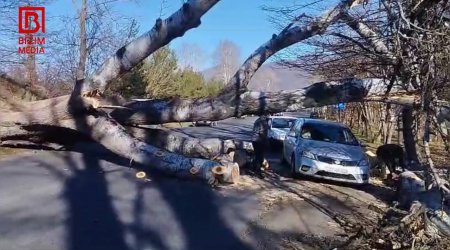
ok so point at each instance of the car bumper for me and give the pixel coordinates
(334, 172)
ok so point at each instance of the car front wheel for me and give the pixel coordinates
(293, 172)
(283, 160)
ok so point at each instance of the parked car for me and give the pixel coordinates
(327, 150)
(205, 123)
(314, 115)
(278, 128)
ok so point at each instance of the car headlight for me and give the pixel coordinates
(309, 155)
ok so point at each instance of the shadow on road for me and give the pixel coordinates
(163, 213)
(93, 222)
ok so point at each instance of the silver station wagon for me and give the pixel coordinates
(326, 150)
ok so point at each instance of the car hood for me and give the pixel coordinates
(334, 150)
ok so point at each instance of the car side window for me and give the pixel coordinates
(306, 133)
(295, 129)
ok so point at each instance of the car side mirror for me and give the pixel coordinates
(362, 144)
(291, 134)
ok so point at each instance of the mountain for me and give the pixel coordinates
(273, 77)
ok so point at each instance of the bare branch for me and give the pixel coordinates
(162, 33)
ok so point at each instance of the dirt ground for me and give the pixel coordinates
(314, 214)
(336, 215)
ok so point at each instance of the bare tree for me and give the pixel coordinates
(81, 69)
(227, 59)
(82, 46)
(191, 55)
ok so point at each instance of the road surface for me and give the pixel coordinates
(91, 200)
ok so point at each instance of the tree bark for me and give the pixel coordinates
(250, 102)
(81, 69)
(408, 135)
(209, 148)
(115, 138)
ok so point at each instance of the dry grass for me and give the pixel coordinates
(4, 151)
(177, 124)
(439, 155)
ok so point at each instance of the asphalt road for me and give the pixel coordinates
(233, 128)
(91, 200)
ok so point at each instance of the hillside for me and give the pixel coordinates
(12, 93)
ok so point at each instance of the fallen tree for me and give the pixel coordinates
(80, 111)
(88, 112)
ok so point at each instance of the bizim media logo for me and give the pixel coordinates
(32, 26)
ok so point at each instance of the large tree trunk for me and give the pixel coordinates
(115, 138)
(251, 102)
(83, 42)
(408, 135)
(209, 148)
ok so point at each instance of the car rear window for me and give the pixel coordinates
(282, 122)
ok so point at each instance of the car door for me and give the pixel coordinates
(291, 140)
(297, 149)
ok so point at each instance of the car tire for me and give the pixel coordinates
(283, 161)
(292, 165)
(271, 143)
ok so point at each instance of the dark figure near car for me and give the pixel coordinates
(391, 155)
(259, 141)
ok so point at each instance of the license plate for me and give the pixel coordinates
(338, 170)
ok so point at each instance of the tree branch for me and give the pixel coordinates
(292, 34)
(162, 33)
(369, 35)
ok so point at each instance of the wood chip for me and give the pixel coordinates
(140, 175)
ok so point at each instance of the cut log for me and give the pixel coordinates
(239, 152)
(115, 138)
(176, 142)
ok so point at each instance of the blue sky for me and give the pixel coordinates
(240, 21)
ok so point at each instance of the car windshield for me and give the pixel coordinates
(282, 122)
(329, 133)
